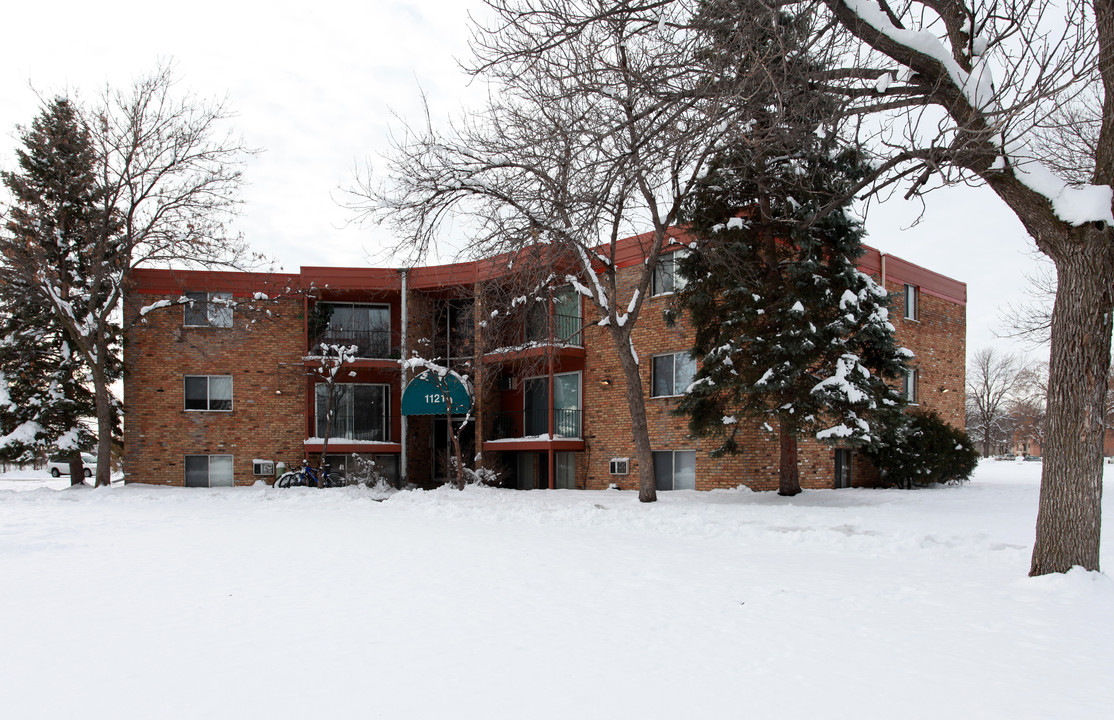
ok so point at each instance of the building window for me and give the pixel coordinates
(675, 469)
(360, 412)
(209, 309)
(666, 278)
(208, 392)
(672, 374)
(909, 386)
(368, 327)
(209, 471)
(912, 296)
(566, 405)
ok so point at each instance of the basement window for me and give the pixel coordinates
(208, 471)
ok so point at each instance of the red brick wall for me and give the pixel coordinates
(937, 338)
(272, 410)
(262, 354)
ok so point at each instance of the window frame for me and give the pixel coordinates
(209, 469)
(325, 332)
(333, 436)
(912, 309)
(208, 394)
(673, 469)
(579, 409)
(207, 305)
(673, 374)
(910, 386)
(667, 259)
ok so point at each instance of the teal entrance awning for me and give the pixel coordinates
(433, 394)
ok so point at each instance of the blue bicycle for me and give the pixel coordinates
(309, 476)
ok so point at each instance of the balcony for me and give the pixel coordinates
(371, 344)
(532, 424)
(536, 335)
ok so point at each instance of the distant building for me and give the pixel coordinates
(214, 395)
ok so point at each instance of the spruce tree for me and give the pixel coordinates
(789, 332)
(56, 209)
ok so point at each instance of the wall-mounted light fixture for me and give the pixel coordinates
(605, 382)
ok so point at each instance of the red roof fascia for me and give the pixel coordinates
(155, 281)
(930, 282)
(351, 278)
(627, 252)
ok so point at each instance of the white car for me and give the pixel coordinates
(59, 465)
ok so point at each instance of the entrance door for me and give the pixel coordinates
(443, 444)
(525, 468)
(843, 468)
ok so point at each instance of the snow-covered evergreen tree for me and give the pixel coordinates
(789, 332)
(55, 210)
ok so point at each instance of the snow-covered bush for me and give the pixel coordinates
(921, 449)
(364, 471)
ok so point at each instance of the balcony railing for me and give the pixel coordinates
(530, 423)
(369, 343)
(536, 329)
(373, 429)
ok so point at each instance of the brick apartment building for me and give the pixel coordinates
(215, 394)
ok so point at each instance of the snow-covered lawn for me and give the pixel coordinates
(151, 602)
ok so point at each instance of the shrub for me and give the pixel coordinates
(921, 449)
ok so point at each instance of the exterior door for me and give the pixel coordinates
(566, 405)
(525, 470)
(535, 404)
(565, 477)
(843, 468)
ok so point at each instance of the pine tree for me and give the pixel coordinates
(56, 208)
(789, 332)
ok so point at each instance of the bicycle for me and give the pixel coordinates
(309, 476)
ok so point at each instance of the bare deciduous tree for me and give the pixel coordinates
(168, 177)
(994, 380)
(602, 117)
(967, 93)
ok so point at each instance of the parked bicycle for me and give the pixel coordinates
(309, 476)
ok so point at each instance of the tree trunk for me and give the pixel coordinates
(640, 431)
(458, 458)
(789, 478)
(1069, 517)
(77, 467)
(77, 471)
(104, 418)
(330, 400)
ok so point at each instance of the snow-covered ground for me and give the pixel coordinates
(153, 602)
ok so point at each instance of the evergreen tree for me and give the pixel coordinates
(789, 332)
(919, 448)
(57, 207)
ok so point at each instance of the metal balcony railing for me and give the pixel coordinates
(369, 343)
(529, 423)
(535, 329)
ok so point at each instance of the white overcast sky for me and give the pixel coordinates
(314, 86)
